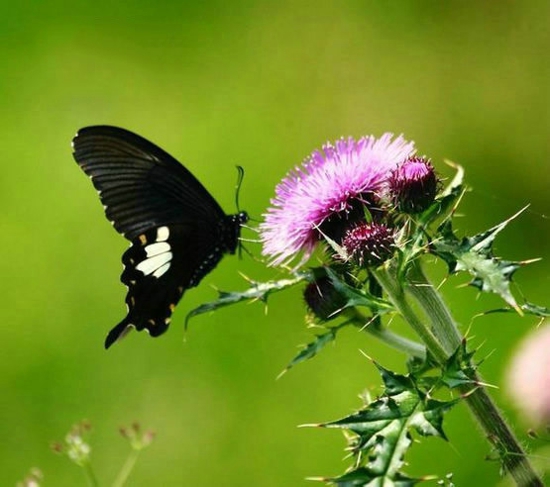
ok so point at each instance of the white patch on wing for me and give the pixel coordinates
(162, 234)
(156, 265)
(161, 270)
(157, 248)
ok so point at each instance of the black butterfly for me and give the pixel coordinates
(178, 231)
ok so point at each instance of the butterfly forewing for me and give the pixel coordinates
(140, 185)
(178, 232)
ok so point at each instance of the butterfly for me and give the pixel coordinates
(178, 231)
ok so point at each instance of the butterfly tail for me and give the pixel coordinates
(118, 332)
(153, 327)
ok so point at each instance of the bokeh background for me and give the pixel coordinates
(259, 84)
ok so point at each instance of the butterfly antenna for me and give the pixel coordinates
(240, 177)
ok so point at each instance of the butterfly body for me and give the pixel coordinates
(178, 231)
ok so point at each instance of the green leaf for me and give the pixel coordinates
(475, 255)
(459, 370)
(382, 431)
(258, 291)
(527, 308)
(395, 383)
(533, 309)
(363, 477)
(418, 366)
(446, 202)
(312, 348)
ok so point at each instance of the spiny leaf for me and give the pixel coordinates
(257, 291)
(382, 431)
(475, 255)
(395, 383)
(533, 309)
(418, 366)
(459, 370)
(312, 348)
(445, 203)
(362, 476)
(527, 308)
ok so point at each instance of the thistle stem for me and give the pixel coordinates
(393, 340)
(481, 405)
(395, 292)
(443, 324)
(442, 338)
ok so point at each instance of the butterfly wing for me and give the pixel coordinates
(178, 231)
(140, 185)
(160, 265)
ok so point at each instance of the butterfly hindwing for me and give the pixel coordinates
(178, 232)
(158, 269)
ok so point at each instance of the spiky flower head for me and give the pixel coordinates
(369, 244)
(330, 192)
(322, 299)
(413, 185)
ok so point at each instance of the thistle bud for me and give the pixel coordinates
(413, 185)
(369, 244)
(323, 299)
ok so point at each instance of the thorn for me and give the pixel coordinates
(469, 393)
(368, 357)
(283, 372)
(485, 384)
(529, 261)
(518, 309)
(247, 279)
(369, 322)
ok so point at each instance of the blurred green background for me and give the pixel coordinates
(260, 84)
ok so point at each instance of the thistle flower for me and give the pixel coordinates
(369, 243)
(330, 192)
(413, 185)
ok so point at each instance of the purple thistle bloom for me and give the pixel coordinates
(331, 185)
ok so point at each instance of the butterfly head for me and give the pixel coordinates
(242, 217)
(233, 230)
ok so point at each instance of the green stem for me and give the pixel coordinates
(481, 405)
(395, 292)
(393, 340)
(443, 324)
(126, 469)
(442, 338)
